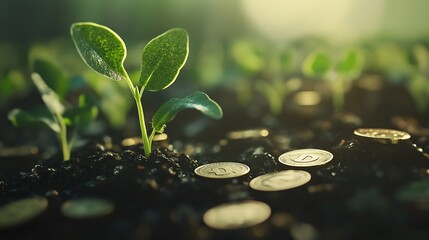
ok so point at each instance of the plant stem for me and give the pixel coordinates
(137, 94)
(66, 149)
(152, 134)
(146, 143)
(338, 94)
(273, 96)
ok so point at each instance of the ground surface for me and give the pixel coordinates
(369, 190)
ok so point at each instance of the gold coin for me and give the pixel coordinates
(222, 170)
(306, 157)
(278, 181)
(237, 215)
(21, 211)
(83, 208)
(382, 135)
(250, 133)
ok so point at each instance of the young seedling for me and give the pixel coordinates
(269, 68)
(418, 85)
(282, 63)
(348, 67)
(250, 60)
(12, 85)
(163, 57)
(57, 118)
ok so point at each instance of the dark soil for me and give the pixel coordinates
(358, 195)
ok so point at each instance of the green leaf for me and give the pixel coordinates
(20, 118)
(351, 63)
(53, 76)
(82, 115)
(273, 95)
(287, 60)
(317, 64)
(49, 97)
(421, 55)
(197, 100)
(250, 56)
(162, 59)
(100, 48)
(12, 85)
(112, 102)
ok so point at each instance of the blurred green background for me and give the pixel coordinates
(233, 44)
(254, 49)
(25, 22)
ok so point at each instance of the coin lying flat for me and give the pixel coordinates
(84, 208)
(251, 133)
(21, 211)
(237, 215)
(383, 135)
(278, 181)
(222, 170)
(306, 157)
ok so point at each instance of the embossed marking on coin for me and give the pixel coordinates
(222, 170)
(306, 157)
(237, 215)
(278, 181)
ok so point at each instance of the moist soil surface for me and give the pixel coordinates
(370, 190)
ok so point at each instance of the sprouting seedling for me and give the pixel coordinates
(249, 57)
(269, 67)
(349, 66)
(282, 63)
(418, 85)
(163, 57)
(57, 118)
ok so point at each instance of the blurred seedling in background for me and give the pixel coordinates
(280, 83)
(12, 85)
(418, 84)
(110, 101)
(58, 116)
(163, 57)
(405, 65)
(338, 74)
(210, 64)
(390, 59)
(249, 58)
(112, 105)
(267, 72)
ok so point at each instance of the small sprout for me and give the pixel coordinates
(162, 59)
(210, 64)
(419, 83)
(317, 64)
(349, 66)
(12, 85)
(268, 68)
(249, 58)
(57, 118)
(53, 75)
(249, 55)
(111, 101)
